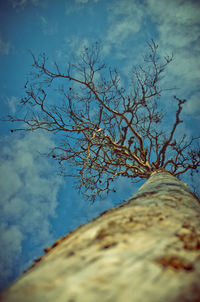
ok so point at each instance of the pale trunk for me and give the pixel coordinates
(147, 249)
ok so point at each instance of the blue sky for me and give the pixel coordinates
(37, 205)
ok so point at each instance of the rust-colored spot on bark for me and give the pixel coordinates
(34, 264)
(103, 213)
(38, 259)
(105, 238)
(175, 262)
(109, 244)
(47, 249)
(57, 242)
(101, 234)
(191, 241)
(70, 253)
(189, 237)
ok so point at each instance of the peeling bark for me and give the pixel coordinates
(147, 249)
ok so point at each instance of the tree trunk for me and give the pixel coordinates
(147, 249)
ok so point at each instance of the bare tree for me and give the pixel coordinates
(146, 249)
(102, 129)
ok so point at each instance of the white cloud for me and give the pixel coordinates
(192, 106)
(72, 48)
(186, 66)
(29, 187)
(174, 24)
(125, 19)
(12, 104)
(76, 44)
(173, 14)
(179, 32)
(11, 243)
(4, 47)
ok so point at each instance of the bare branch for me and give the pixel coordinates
(104, 131)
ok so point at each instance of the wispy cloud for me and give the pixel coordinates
(72, 48)
(178, 21)
(192, 106)
(178, 27)
(12, 103)
(76, 44)
(177, 30)
(77, 5)
(48, 28)
(4, 47)
(29, 188)
(22, 3)
(125, 19)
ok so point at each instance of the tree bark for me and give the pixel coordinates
(147, 249)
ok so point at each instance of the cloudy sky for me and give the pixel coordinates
(37, 206)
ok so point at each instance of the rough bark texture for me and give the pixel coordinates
(147, 249)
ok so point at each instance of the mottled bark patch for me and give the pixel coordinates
(189, 237)
(176, 262)
(105, 239)
(70, 253)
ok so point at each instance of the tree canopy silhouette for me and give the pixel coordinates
(103, 130)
